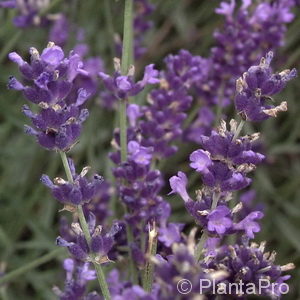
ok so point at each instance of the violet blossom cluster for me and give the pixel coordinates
(139, 188)
(256, 88)
(249, 263)
(223, 163)
(78, 192)
(97, 249)
(77, 277)
(250, 31)
(57, 124)
(160, 122)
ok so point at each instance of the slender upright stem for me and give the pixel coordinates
(86, 232)
(33, 264)
(149, 269)
(127, 50)
(123, 130)
(127, 59)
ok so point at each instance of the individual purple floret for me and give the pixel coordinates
(57, 125)
(123, 86)
(77, 277)
(255, 88)
(249, 264)
(78, 192)
(101, 242)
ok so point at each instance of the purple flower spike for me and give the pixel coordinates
(77, 276)
(77, 193)
(257, 86)
(178, 185)
(58, 123)
(249, 264)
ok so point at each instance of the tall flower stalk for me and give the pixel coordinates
(85, 229)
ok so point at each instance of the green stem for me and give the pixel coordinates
(127, 50)
(34, 264)
(86, 232)
(123, 130)
(127, 59)
(130, 240)
(125, 63)
(66, 165)
(149, 269)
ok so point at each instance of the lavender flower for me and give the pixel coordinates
(225, 160)
(142, 185)
(249, 264)
(58, 123)
(77, 277)
(78, 192)
(181, 265)
(250, 31)
(101, 242)
(257, 86)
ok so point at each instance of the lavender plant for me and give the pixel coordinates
(125, 219)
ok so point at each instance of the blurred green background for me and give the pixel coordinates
(28, 214)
